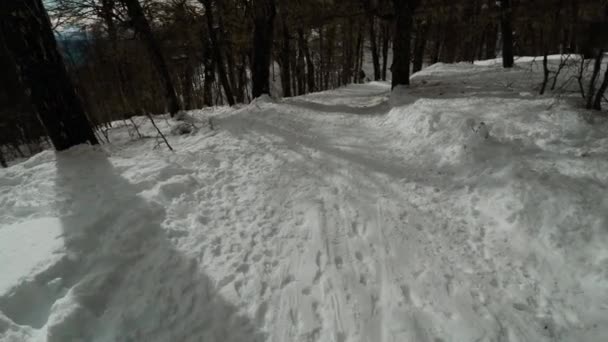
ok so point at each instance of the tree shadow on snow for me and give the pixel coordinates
(126, 280)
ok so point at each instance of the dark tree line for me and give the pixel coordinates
(128, 56)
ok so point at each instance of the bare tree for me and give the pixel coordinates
(263, 19)
(506, 25)
(141, 25)
(404, 18)
(217, 53)
(27, 41)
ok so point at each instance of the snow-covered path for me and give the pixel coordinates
(348, 215)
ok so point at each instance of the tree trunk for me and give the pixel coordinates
(217, 54)
(347, 53)
(329, 55)
(374, 47)
(107, 9)
(310, 66)
(358, 58)
(285, 60)
(142, 27)
(322, 61)
(545, 74)
(225, 45)
(420, 45)
(300, 69)
(293, 63)
(596, 70)
(2, 159)
(507, 33)
(242, 78)
(188, 86)
(597, 104)
(107, 15)
(490, 42)
(385, 42)
(209, 75)
(450, 41)
(264, 13)
(28, 44)
(404, 14)
(573, 25)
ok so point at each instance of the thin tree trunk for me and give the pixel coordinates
(545, 74)
(293, 63)
(358, 57)
(573, 25)
(597, 104)
(491, 41)
(264, 13)
(321, 71)
(217, 54)
(141, 25)
(285, 60)
(310, 66)
(2, 159)
(596, 70)
(300, 69)
(242, 78)
(385, 44)
(404, 13)
(225, 45)
(209, 75)
(507, 33)
(348, 53)
(420, 45)
(29, 47)
(374, 46)
(450, 41)
(188, 88)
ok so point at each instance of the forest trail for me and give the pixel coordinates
(347, 215)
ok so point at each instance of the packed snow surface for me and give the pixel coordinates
(463, 208)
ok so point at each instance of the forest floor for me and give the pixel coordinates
(347, 215)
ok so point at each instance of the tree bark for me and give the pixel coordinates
(374, 47)
(107, 10)
(2, 159)
(310, 66)
(188, 86)
(141, 26)
(347, 52)
(264, 13)
(358, 57)
(300, 69)
(242, 78)
(209, 75)
(490, 41)
(385, 42)
(217, 54)
(545, 74)
(28, 44)
(596, 70)
(597, 104)
(225, 45)
(420, 45)
(507, 33)
(404, 14)
(285, 60)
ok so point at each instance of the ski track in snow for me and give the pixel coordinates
(347, 215)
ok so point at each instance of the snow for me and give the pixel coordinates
(28, 244)
(460, 208)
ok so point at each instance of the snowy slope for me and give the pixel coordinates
(347, 215)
